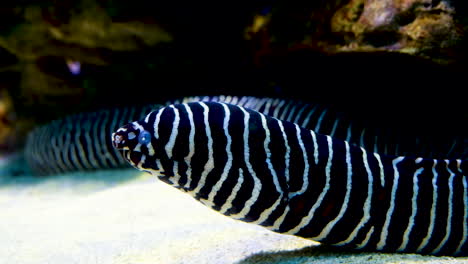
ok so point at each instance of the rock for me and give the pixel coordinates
(423, 28)
(13, 130)
(432, 30)
(63, 57)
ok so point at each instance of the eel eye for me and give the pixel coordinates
(144, 137)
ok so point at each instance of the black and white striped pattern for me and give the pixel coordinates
(81, 142)
(371, 135)
(291, 180)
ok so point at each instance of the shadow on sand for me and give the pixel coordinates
(14, 174)
(332, 255)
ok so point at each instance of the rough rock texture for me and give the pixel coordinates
(434, 30)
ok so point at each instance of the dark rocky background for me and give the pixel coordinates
(398, 63)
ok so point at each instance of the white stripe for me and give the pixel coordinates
(140, 163)
(209, 165)
(361, 140)
(90, 152)
(273, 107)
(278, 108)
(156, 122)
(289, 112)
(381, 169)
(276, 225)
(228, 165)
(47, 135)
(79, 147)
(160, 167)
(266, 144)
(367, 204)
(288, 151)
(137, 125)
(299, 114)
(66, 147)
(76, 156)
(137, 147)
(74, 147)
(465, 214)
(319, 121)
(251, 103)
(175, 170)
(450, 211)
(234, 100)
(335, 126)
(307, 119)
(384, 232)
(305, 220)
(228, 99)
(85, 129)
(414, 210)
(266, 213)
(433, 210)
(104, 136)
(266, 111)
(305, 175)
(188, 158)
(242, 101)
(327, 229)
(151, 151)
(257, 184)
(366, 239)
(228, 204)
(175, 128)
(98, 146)
(147, 117)
(260, 103)
(53, 153)
(314, 140)
(126, 154)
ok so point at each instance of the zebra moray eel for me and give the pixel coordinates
(82, 142)
(273, 173)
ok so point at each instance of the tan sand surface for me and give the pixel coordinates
(127, 217)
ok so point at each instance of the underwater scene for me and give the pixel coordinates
(245, 132)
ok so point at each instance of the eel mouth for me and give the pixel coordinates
(133, 157)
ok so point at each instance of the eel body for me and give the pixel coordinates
(292, 180)
(82, 141)
(79, 142)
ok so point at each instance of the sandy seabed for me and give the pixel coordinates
(124, 216)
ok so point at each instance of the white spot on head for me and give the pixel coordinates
(131, 135)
